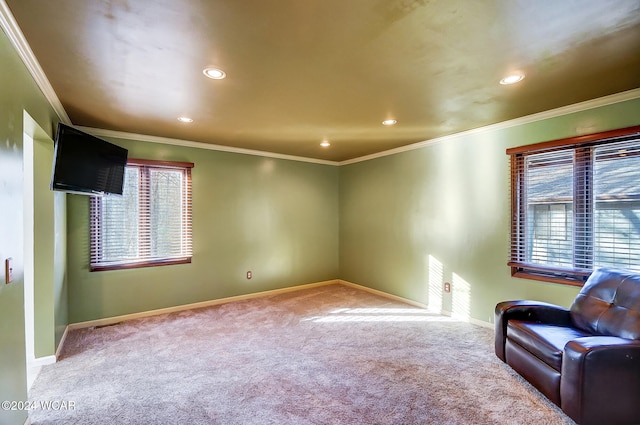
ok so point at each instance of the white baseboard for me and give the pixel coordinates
(117, 319)
(62, 340)
(43, 361)
(34, 366)
(385, 294)
(468, 319)
(416, 304)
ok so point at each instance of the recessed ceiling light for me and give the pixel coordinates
(214, 73)
(185, 119)
(512, 79)
(389, 122)
(325, 144)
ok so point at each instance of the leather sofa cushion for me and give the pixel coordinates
(542, 376)
(546, 342)
(609, 304)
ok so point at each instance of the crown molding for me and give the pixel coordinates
(198, 145)
(552, 113)
(15, 35)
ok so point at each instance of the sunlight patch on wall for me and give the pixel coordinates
(461, 298)
(436, 280)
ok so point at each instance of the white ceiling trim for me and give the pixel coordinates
(13, 31)
(552, 113)
(198, 145)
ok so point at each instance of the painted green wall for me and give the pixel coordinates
(276, 218)
(403, 224)
(60, 296)
(50, 295)
(43, 253)
(413, 220)
(18, 92)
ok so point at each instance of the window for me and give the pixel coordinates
(575, 206)
(150, 224)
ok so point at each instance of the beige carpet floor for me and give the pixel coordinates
(327, 355)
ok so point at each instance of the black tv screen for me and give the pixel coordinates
(85, 164)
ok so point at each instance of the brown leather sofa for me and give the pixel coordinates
(585, 359)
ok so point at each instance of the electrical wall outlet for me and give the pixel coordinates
(249, 275)
(8, 270)
(447, 287)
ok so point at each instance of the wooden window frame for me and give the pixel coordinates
(583, 184)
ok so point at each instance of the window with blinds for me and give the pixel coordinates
(576, 206)
(150, 224)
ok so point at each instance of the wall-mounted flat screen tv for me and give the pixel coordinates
(87, 165)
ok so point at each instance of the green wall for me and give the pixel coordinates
(404, 224)
(411, 221)
(276, 218)
(50, 295)
(18, 92)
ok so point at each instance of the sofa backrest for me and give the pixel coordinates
(609, 304)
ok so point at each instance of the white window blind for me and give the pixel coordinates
(150, 224)
(617, 205)
(576, 206)
(549, 195)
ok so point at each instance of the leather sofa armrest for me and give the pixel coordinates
(601, 380)
(531, 311)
